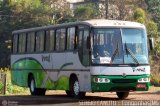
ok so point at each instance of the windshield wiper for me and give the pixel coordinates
(115, 53)
(128, 51)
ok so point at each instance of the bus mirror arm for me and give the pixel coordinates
(151, 43)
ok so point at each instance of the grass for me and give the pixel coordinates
(13, 89)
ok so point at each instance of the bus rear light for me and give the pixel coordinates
(141, 86)
(101, 80)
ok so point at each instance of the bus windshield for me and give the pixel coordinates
(119, 46)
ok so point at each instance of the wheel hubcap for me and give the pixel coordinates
(32, 85)
(76, 87)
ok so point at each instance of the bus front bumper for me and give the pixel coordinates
(102, 83)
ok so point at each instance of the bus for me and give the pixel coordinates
(95, 55)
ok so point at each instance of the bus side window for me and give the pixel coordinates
(22, 43)
(80, 51)
(40, 41)
(83, 51)
(60, 39)
(70, 38)
(50, 40)
(30, 42)
(15, 42)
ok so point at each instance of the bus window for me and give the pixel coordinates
(60, 39)
(83, 33)
(40, 41)
(70, 38)
(30, 42)
(50, 39)
(22, 43)
(15, 42)
(80, 39)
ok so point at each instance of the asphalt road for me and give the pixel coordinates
(59, 98)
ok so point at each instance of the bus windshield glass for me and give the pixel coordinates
(119, 46)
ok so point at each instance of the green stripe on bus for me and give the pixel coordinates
(66, 64)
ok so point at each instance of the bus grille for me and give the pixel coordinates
(124, 80)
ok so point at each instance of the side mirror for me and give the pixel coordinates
(151, 43)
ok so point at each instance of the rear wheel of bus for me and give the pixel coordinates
(75, 89)
(122, 95)
(33, 89)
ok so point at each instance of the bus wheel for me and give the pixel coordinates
(68, 93)
(75, 89)
(33, 89)
(41, 91)
(122, 95)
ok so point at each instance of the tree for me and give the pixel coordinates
(154, 9)
(87, 11)
(139, 15)
(59, 11)
(121, 9)
(29, 13)
(152, 29)
(5, 27)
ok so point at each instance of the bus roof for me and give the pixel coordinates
(92, 23)
(113, 23)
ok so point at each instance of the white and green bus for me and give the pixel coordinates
(88, 56)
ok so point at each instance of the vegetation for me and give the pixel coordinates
(87, 11)
(10, 88)
(19, 14)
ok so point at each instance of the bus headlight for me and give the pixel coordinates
(144, 80)
(101, 80)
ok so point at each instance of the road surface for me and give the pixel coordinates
(59, 98)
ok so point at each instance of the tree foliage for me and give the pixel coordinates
(139, 15)
(154, 9)
(121, 9)
(29, 13)
(152, 29)
(87, 11)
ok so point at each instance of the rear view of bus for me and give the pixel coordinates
(119, 58)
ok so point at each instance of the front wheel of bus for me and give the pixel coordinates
(75, 89)
(122, 95)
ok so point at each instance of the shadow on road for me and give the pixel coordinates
(145, 93)
(48, 99)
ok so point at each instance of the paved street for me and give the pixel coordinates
(59, 98)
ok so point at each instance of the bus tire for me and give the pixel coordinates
(68, 93)
(41, 91)
(122, 95)
(75, 89)
(33, 89)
